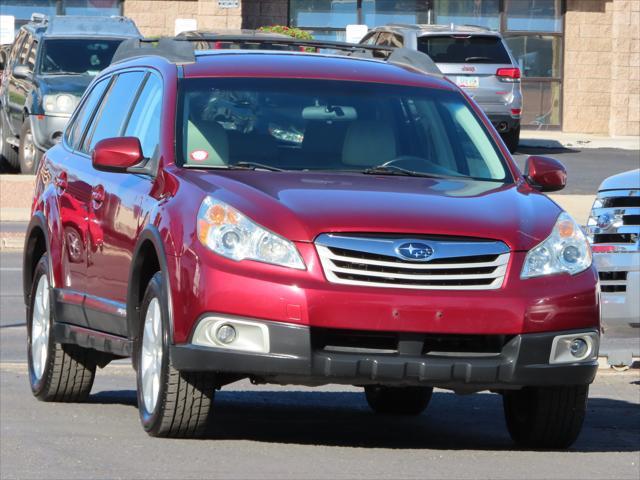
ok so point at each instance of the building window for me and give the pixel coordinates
(484, 13)
(534, 15)
(91, 7)
(381, 12)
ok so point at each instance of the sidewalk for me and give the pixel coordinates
(554, 139)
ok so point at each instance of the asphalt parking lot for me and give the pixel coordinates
(290, 432)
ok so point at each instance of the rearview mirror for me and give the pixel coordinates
(545, 174)
(117, 154)
(21, 71)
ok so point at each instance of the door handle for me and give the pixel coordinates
(97, 195)
(61, 181)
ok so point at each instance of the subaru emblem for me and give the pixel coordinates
(414, 251)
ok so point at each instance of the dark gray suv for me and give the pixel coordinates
(475, 58)
(50, 65)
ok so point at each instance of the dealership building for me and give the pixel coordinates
(580, 59)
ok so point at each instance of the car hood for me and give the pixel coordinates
(622, 181)
(73, 84)
(302, 205)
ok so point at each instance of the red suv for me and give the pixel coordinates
(305, 218)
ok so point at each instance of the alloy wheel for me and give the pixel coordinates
(40, 327)
(151, 358)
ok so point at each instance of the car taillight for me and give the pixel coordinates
(508, 74)
(515, 112)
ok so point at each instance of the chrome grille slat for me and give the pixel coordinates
(373, 262)
(622, 207)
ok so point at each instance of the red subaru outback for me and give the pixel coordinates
(305, 218)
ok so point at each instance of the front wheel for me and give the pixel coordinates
(171, 403)
(57, 373)
(398, 400)
(29, 155)
(546, 417)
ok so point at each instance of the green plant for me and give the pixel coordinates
(291, 31)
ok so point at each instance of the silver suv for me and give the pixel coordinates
(475, 58)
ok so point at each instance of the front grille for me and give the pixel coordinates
(405, 343)
(615, 218)
(374, 261)
(615, 238)
(609, 276)
(613, 281)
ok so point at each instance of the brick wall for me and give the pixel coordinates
(602, 67)
(157, 17)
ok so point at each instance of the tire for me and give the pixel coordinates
(398, 400)
(173, 403)
(512, 139)
(8, 154)
(546, 417)
(28, 154)
(57, 373)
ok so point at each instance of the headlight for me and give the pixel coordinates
(565, 250)
(229, 233)
(60, 103)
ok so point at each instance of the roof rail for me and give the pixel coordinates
(413, 26)
(480, 27)
(167, 48)
(37, 17)
(180, 50)
(399, 56)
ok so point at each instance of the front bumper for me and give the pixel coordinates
(620, 297)
(47, 130)
(294, 357)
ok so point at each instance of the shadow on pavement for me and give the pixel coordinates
(451, 421)
(559, 150)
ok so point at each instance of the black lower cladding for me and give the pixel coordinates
(510, 122)
(299, 355)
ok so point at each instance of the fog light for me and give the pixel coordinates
(226, 334)
(579, 348)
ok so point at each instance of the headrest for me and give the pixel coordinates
(368, 143)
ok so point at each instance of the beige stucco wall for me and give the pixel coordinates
(602, 67)
(157, 17)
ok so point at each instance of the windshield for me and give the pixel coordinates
(464, 49)
(76, 56)
(293, 124)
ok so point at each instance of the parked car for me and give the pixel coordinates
(614, 231)
(52, 62)
(395, 246)
(475, 58)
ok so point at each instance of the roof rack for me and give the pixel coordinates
(37, 17)
(167, 48)
(180, 49)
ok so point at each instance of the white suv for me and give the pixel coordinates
(614, 230)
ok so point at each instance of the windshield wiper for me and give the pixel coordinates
(394, 170)
(255, 166)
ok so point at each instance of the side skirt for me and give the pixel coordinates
(87, 338)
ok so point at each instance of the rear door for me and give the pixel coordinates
(472, 62)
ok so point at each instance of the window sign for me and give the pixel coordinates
(228, 4)
(7, 29)
(355, 32)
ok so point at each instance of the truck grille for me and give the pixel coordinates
(615, 219)
(457, 264)
(613, 281)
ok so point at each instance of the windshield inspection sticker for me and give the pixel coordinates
(199, 155)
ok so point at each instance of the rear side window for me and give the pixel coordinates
(114, 109)
(464, 49)
(144, 122)
(82, 118)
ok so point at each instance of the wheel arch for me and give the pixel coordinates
(149, 257)
(36, 244)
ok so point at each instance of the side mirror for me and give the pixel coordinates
(545, 174)
(117, 154)
(21, 71)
